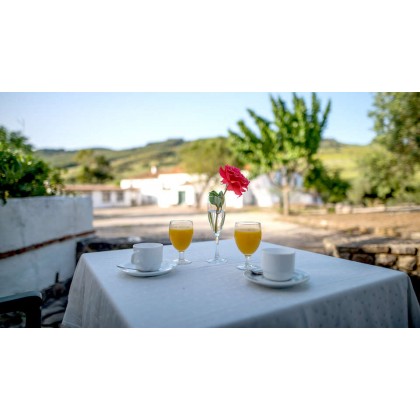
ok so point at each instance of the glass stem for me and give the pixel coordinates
(247, 262)
(181, 255)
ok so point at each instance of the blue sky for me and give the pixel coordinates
(125, 120)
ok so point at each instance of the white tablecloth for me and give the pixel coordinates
(340, 293)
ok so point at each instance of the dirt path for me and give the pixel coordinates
(152, 223)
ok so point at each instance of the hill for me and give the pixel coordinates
(342, 157)
(165, 154)
(125, 163)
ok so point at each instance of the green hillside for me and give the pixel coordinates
(344, 157)
(125, 163)
(133, 162)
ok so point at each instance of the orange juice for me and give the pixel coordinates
(180, 237)
(247, 239)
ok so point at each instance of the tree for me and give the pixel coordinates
(397, 123)
(204, 157)
(388, 174)
(285, 146)
(95, 169)
(21, 173)
(328, 184)
(383, 177)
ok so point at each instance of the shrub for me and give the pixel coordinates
(21, 173)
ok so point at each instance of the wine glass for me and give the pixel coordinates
(247, 238)
(180, 234)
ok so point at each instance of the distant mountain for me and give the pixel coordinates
(333, 143)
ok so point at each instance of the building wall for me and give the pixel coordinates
(104, 199)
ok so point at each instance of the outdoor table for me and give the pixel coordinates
(339, 293)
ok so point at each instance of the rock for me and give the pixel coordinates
(53, 320)
(385, 260)
(97, 244)
(349, 249)
(403, 249)
(12, 320)
(364, 258)
(55, 307)
(375, 248)
(55, 300)
(407, 263)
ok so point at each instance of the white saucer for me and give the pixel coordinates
(299, 277)
(131, 269)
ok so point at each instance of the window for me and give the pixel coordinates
(120, 196)
(106, 196)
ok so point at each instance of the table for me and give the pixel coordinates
(340, 293)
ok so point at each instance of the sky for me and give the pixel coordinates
(126, 120)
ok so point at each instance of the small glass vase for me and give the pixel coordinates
(216, 220)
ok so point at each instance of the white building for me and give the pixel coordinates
(167, 189)
(105, 195)
(176, 188)
(164, 189)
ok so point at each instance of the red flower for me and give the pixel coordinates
(233, 179)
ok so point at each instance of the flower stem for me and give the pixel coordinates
(216, 254)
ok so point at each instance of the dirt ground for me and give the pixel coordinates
(303, 232)
(404, 224)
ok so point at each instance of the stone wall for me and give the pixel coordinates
(394, 253)
(98, 244)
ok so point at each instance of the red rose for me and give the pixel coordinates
(233, 179)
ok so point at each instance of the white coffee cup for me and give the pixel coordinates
(278, 264)
(147, 256)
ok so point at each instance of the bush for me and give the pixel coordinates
(384, 178)
(21, 173)
(328, 184)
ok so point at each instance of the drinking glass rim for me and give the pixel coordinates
(247, 223)
(180, 220)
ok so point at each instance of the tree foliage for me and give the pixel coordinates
(94, 168)
(384, 178)
(328, 184)
(397, 123)
(21, 173)
(388, 174)
(286, 145)
(205, 157)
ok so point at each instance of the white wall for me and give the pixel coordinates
(262, 191)
(25, 222)
(98, 199)
(164, 190)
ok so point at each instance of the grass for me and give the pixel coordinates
(345, 158)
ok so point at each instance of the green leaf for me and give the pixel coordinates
(217, 199)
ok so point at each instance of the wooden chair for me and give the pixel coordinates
(29, 303)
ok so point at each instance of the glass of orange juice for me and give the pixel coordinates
(180, 234)
(247, 238)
